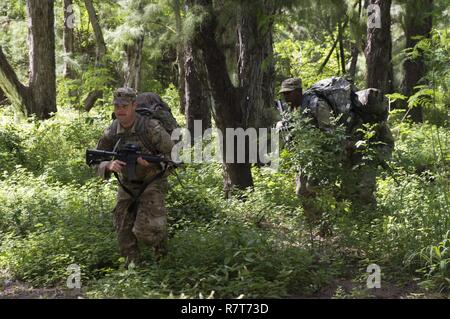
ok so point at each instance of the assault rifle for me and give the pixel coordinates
(128, 154)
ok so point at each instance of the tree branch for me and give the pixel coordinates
(90, 100)
(101, 46)
(16, 92)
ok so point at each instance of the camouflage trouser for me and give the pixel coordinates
(146, 223)
(305, 190)
(358, 187)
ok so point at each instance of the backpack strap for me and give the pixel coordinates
(144, 138)
(144, 135)
(114, 136)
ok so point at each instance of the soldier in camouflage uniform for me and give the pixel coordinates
(293, 94)
(146, 220)
(359, 187)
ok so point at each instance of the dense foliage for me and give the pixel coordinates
(54, 212)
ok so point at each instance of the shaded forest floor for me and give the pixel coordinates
(345, 287)
(337, 289)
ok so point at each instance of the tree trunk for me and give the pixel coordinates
(354, 61)
(180, 55)
(93, 96)
(3, 98)
(100, 42)
(90, 100)
(255, 60)
(42, 81)
(16, 92)
(228, 113)
(68, 72)
(134, 63)
(39, 97)
(341, 47)
(378, 49)
(197, 95)
(240, 107)
(418, 23)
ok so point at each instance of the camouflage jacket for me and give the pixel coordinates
(321, 112)
(322, 115)
(147, 133)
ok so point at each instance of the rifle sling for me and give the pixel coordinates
(134, 205)
(135, 198)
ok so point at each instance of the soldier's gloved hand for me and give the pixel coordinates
(143, 162)
(115, 166)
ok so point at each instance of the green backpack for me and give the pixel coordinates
(151, 105)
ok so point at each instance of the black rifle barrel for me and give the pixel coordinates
(97, 156)
(93, 156)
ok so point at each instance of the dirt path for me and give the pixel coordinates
(338, 289)
(347, 289)
(20, 290)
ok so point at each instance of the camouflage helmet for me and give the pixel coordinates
(290, 84)
(124, 96)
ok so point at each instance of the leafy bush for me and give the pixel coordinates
(53, 213)
(11, 148)
(421, 148)
(413, 205)
(55, 147)
(44, 227)
(195, 197)
(224, 261)
(435, 260)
